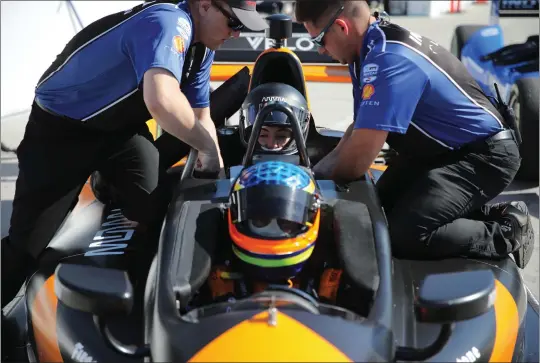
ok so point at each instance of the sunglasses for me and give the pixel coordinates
(319, 39)
(232, 22)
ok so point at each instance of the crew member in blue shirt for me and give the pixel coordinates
(90, 112)
(455, 150)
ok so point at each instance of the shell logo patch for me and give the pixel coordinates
(178, 44)
(368, 91)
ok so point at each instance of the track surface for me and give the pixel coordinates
(332, 107)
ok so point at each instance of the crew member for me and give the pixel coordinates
(456, 150)
(90, 112)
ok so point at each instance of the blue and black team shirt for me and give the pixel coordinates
(97, 77)
(415, 89)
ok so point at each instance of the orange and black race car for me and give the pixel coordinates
(104, 293)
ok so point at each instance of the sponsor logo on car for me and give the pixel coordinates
(80, 355)
(368, 91)
(114, 236)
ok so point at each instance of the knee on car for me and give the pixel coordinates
(406, 239)
(144, 208)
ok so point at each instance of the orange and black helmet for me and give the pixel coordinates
(273, 219)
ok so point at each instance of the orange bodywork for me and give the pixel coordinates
(43, 314)
(507, 324)
(312, 72)
(254, 340)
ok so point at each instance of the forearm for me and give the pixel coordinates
(345, 136)
(173, 112)
(175, 115)
(325, 166)
(203, 115)
(343, 171)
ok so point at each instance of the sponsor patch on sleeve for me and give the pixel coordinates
(367, 91)
(179, 44)
(369, 72)
(183, 27)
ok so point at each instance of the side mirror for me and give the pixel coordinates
(448, 298)
(95, 290)
(102, 292)
(451, 297)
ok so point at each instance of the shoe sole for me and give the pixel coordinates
(524, 253)
(522, 206)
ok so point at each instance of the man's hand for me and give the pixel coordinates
(208, 162)
(358, 153)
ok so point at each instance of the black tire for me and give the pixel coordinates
(461, 36)
(524, 100)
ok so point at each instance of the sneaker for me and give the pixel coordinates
(497, 210)
(516, 225)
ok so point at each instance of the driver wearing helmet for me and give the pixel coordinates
(274, 223)
(276, 135)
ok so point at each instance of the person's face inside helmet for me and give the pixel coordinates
(275, 227)
(274, 137)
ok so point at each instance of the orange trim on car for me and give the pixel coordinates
(378, 167)
(43, 314)
(86, 197)
(312, 73)
(507, 325)
(255, 340)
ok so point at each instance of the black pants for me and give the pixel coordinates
(56, 157)
(437, 209)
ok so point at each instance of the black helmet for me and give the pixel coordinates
(274, 92)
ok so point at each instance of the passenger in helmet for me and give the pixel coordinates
(273, 220)
(276, 135)
(277, 238)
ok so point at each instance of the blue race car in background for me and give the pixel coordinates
(514, 68)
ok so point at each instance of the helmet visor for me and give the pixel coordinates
(273, 210)
(275, 227)
(276, 118)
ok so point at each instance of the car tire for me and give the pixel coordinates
(524, 100)
(461, 37)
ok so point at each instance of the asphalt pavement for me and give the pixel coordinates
(332, 107)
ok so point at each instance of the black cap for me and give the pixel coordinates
(246, 12)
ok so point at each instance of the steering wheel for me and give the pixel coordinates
(189, 169)
(187, 173)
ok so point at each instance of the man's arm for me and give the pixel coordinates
(323, 169)
(157, 49)
(392, 87)
(358, 153)
(172, 111)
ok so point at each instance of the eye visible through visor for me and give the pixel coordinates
(268, 202)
